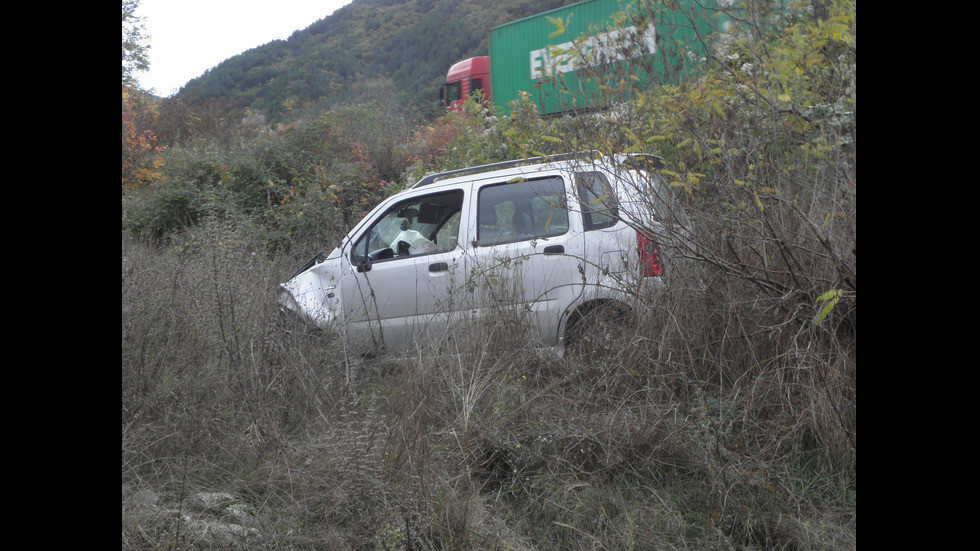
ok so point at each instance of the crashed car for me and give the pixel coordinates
(561, 238)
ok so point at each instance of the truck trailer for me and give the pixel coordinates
(587, 53)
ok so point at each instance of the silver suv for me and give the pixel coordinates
(561, 239)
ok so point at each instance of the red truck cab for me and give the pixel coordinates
(464, 78)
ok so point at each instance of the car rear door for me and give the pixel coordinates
(526, 252)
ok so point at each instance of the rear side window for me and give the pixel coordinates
(665, 202)
(522, 210)
(600, 208)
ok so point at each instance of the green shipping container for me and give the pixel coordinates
(597, 52)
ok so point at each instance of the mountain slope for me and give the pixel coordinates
(407, 43)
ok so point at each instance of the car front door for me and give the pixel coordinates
(402, 269)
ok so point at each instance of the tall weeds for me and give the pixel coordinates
(692, 436)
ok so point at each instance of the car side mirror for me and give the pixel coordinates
(363, 264)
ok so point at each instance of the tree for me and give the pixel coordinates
(141, 158)
(134, 46)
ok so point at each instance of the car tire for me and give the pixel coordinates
(598, 330)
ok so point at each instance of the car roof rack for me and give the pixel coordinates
(504, 164)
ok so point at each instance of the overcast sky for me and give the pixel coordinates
(188, 37)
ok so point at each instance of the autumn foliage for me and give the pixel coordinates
(141, 157)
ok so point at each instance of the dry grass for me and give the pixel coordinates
(711, 428)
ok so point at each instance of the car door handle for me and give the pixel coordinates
(554, 249)
(438, 267)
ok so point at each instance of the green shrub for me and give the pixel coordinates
(157, 214)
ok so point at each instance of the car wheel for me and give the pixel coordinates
(598, 331)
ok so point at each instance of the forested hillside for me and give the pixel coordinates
(410, 42)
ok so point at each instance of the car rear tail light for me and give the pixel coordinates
(650, 264)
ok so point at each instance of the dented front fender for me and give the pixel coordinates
(313, 294)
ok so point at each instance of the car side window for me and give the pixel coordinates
(521, 210)
(600, 207)
(417, 226)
